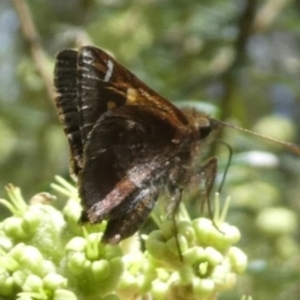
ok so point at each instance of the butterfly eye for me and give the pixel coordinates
(204, 131)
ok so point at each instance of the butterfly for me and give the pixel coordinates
(127, 142)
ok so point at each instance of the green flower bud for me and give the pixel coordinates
(8, 263)
(132, 245)
(33, 283)
(161, 252)
(174, 242)
(76, 244)
(71, 213)
(92, 250)
(128, 286)
(194, 254)
(101, 269)
(159, 289)
(6, 243)
(186, 274)
(222, 277)
(227, 236)
(220, 272)
(213, 256)
(13, 228)
(54, 281)
(30, 296)
(17, 252)
(30, 221)
(61, 294)
(238, 260)
(76, 262)
(156, 245)
(19, 277)
(203, 228)
(149, 274)
(134, 262)
(6, 283)
(167, 229)
(187, 230)
(90, 262)
(31, 258)
(203, 287)
(38, 224)
(47, 236)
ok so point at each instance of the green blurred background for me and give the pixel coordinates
(240, 58)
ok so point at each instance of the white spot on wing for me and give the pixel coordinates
(110, 67)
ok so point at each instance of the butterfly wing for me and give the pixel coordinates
(90, 82)
(126, 158)
(129, 135)
(103, 84)
(65, 81)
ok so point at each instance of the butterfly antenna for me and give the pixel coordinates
(293, 147)
(230, 152)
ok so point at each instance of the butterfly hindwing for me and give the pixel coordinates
(127, 223)
(121, 139)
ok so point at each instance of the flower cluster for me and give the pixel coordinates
(45, 254)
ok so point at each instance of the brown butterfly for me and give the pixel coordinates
(127, 142)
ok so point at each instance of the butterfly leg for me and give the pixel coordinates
(176, 202)
(207, 174)
(208, 171)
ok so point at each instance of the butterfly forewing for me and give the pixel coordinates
(103, 84)
(65, 80)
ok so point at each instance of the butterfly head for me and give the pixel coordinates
(204, 127)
